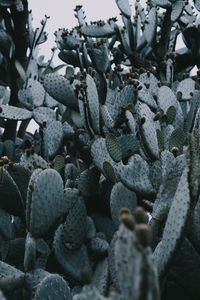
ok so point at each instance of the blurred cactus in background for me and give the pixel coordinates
(102, 201)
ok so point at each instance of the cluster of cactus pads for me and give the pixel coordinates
(102, 201)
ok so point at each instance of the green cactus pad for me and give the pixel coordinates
(145, 96)
(109, 171)
(166, 98)
(30, 253)
(174, 225)
(89, 292)
(95, 30)
(72, 262)
(98, 247)
(21, 175)
(74, 227)
(177, 138)
(100, 278)
(93, 104)
(33, 278)
(185, 89)
(135, 175)
(113, 147)
(88, 182)
(124, 7)
(11, 199)
(9, 149)
(129, 145)
(160, 138)
(68, 130)
(5, 225)
(121, 197)
(10, 277)
(33, 161)
(124, 248)
(53, 287)
(45, 201)
(50, 101)
(149, 79)
(197, 4)
(59, 163)
(148, 131)
(59, 88)
(172, 169)
(150, 26)
(33, 95)
(14, 113)
(171, 114)
(53, 136)
(100, 58)
(177, 9)
(100, 153)
(162, 3)
(44, 114)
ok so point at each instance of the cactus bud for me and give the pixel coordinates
(126, 218)
(157, 116)
(143, 234)
(140, 216)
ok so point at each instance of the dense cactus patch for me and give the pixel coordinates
(102, 201)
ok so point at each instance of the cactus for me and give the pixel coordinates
(59, 88)
(178, 213)
(102, 200)
(121, 197)
(30, 253)
(53, 286)
(14, 113)
(53, 136)
(74, 227)
(73, 262)
(48, 200)
(43, 114)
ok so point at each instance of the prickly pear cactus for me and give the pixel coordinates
(101, 201)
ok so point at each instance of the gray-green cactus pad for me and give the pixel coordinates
(45, 201)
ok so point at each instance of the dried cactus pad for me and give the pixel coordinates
(46, 201)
